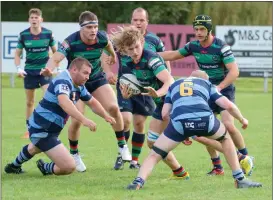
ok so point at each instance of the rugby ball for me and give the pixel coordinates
(131, 81)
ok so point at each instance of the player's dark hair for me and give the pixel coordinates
(35, 11)
(87, 16)
(79, 62)
(139, 9)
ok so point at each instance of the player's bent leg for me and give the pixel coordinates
(216, 162)
(63, 163)
(245, 161)
(211, 146)
(235, 134)
(229, 151)
(106, 96)
(127, 118)
(73, 137)
(24, 155)
(159, 151)
(156, 127)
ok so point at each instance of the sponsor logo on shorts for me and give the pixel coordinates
(189, 124)
(202, 124)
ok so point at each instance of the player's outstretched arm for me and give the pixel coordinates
(52, 63)
(166, 78)
(170, 55)
(168, 64)
(97, 108)
(67, 105)
(109, 48)
(232, 109)
(110, 76)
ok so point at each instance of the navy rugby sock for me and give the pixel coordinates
(127, 135)
(73, 147)
(137, 142)
(243, 151)
(217, 162)
(238, 174)
(22, 157)
(121, 138)
(49, 167)
(139, 180)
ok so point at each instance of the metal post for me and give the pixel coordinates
(12, 80)
(265, 81)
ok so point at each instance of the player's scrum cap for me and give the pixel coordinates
(88, 22)
(203, 20)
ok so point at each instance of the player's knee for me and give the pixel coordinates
(127, 123)
(68, 168)
(139, 126)
(32, 150)
(30, 103)
(74, 126)
(152, 137)
(113, 110)
(160, 152)
(230, 126)
(150, 144)
(223, 137)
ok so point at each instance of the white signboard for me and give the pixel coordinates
(251, 45)
(11, 31)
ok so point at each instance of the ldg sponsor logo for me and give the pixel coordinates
(9, 46)
(247, 35)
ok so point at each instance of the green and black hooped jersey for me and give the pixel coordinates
(37, 49)
(211, 59)
(152, 43)
(73, 47)
(146, 70)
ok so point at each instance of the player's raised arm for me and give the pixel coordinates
(67, 105)
(109, 48)
(107, 68)
(232, 109)
(57, 57)
(97, 108)
(170, 55)
(223, 102)
(52, 63)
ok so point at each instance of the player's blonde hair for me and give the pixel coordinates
(125, 37)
